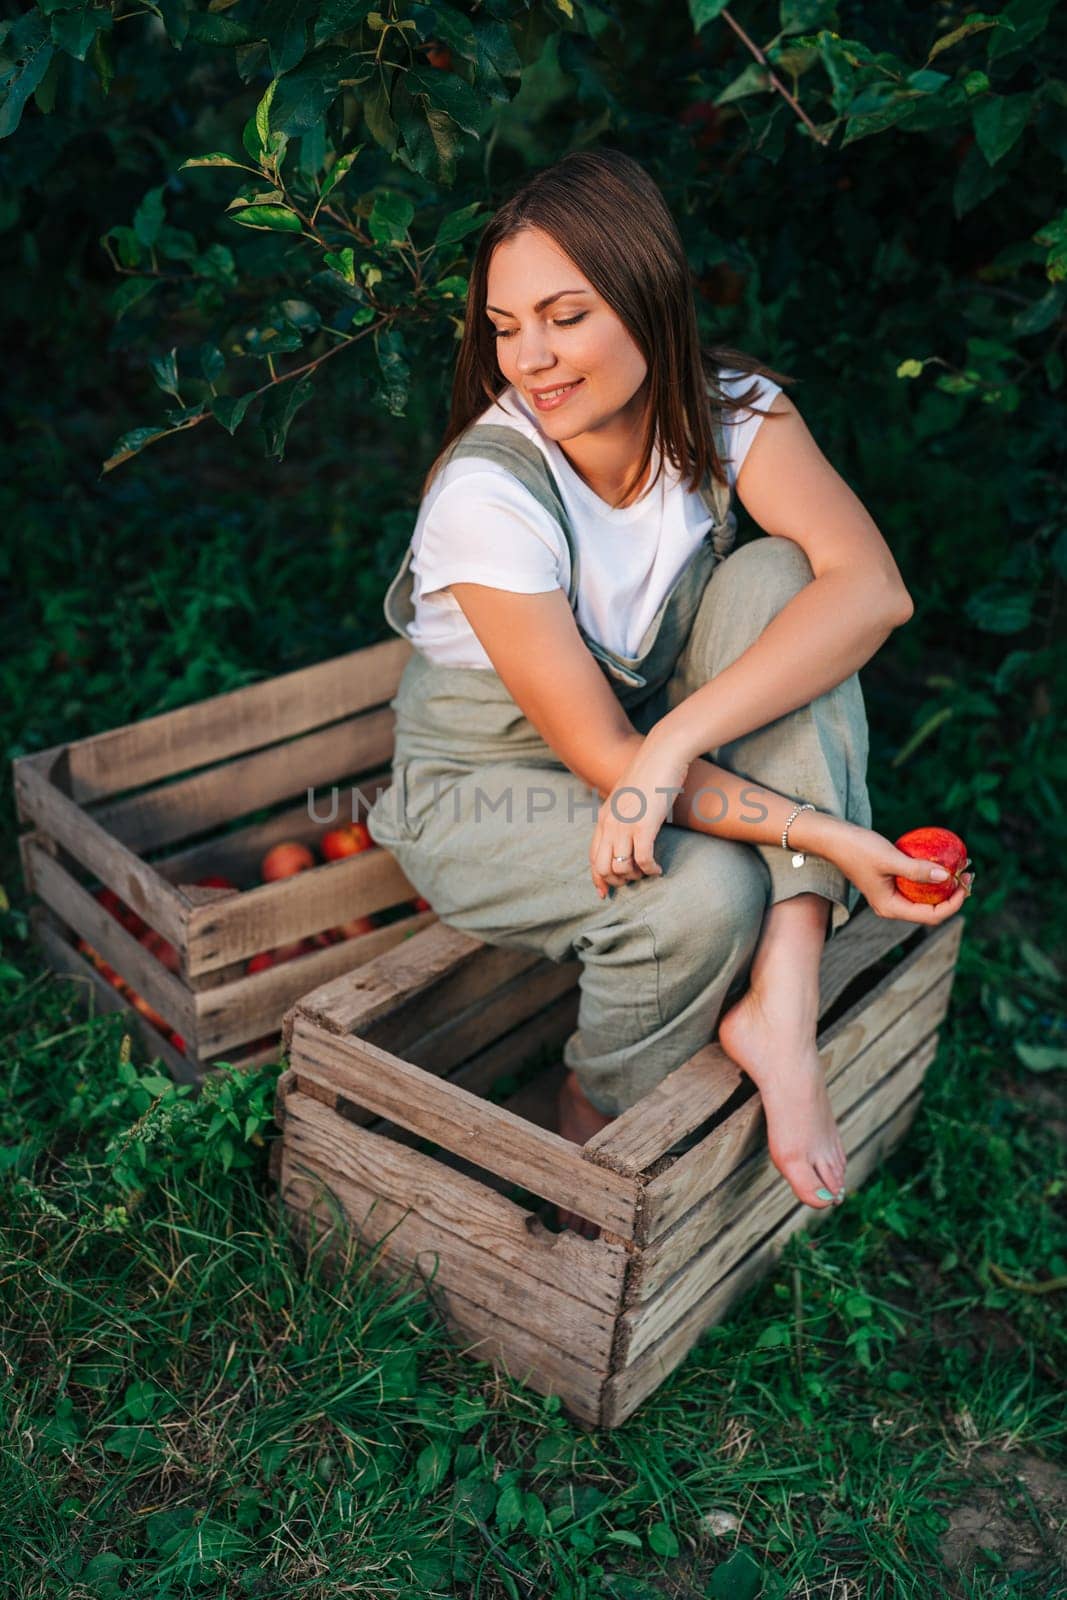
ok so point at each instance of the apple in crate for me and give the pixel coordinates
(285, 861)
(349, 840)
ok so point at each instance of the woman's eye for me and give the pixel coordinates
(505, 333)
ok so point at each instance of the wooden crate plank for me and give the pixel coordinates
(399, 978)
(275, 914)
(489, 1238)
(485, 1017)
(93, 990)
(239, 853)
(770, 1200)
(542, 1162)
(626, 1389)
(139, 885)
(670, 1194)
(78, 909)
(191, 805)
(523, 1357)
(232, 723)
(701, 1085)
(248, 1004)
(859, 1072)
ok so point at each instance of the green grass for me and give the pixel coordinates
(194, 1407)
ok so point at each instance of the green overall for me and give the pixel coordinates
(494, 830)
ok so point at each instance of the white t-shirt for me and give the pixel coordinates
(478, 524)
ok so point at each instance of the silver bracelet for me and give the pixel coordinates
(798, 858)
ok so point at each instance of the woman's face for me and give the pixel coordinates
(578, 339)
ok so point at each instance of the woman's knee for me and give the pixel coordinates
(771, 567)
(712, 898)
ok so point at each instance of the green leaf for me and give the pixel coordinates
(74, 31)
(212, 362)
(976, 20)
(458, 224)
(390, 218)
(131, 444)
(996, 608)
(230, 409)
(1041, 1057)
(339, 170)
(661, 1539)
(340, 16)
(450, 94)
(283, 24)
(148, 218)
(209, 27)
(431, 139)
(753, 80)
(278, 218)
(305, 94)
(773, 1335)
(704, 11)
(910, 368)
(394, 370)
(165, 372)
(998, 122)
(740, 1578)
(129, 292)
(27, 57)
(215, 159)
(263, 114)
(432, 1464)
(1038, 962)
(280, 407)
(1024, 20)
(343, 262)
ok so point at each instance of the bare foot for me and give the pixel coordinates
(579, 1119)
(777, 1050)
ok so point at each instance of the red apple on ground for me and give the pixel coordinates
(285, 860)
(934, 844)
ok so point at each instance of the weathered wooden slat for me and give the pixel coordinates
(771, 1200)
(505, 1255)
(541, 1162)
(628, 1387)
(139, 885)
(232, 723)
(696, 1089)
(695, 1174)
(483, 1334)
(238, 854)
(79, 910)
(486, 1016)
(855, 1072)
(206, 799)
(399, 978)
(94, 991)
(275, 914)
(416, 1029)
(244, 1007)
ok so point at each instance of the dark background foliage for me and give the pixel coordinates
(224, 387)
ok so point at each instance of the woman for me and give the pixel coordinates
(581, 629)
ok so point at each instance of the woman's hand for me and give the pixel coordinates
(871, 862)
(645, 793)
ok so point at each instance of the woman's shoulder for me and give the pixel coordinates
(735, 384)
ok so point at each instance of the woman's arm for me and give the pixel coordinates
(825, 632)
(536, 649)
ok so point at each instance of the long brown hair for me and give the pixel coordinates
(604, 210)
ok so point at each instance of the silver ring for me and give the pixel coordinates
(622, 858)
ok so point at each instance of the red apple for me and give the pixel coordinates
(177, 1041)
(934, 844)
(439, 56)
(162, 949)
(139, 1003)
(349, 840)
(419, 904)
(289, 952)
(121, 911)
(353, 929)
(285, 860)
(261, 962)
(215, 881)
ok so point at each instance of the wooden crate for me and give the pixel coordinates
(148, 808)
(690, 1209)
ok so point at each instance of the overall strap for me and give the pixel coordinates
(512, 450)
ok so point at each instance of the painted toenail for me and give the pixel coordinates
(823, 1194)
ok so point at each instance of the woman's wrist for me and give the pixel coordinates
(820, 834)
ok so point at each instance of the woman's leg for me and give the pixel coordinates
(817, 753)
